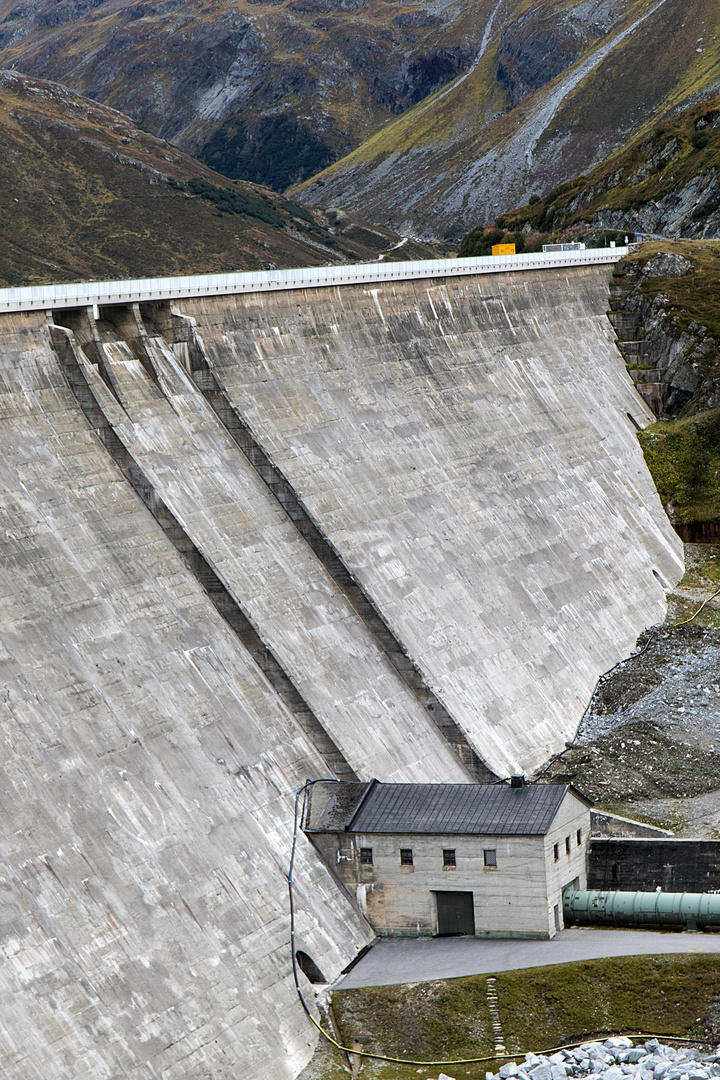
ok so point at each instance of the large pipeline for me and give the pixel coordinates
(693, 911)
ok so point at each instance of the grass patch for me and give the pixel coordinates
(683, 457)
(539, 1008)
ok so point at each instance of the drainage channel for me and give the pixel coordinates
(224, 602)
(497, 1031)
(174, 329)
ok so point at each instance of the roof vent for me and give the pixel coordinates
(517, 781)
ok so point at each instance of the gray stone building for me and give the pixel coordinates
(423, 859)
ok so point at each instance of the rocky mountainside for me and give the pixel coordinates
(557, 90)
(666, 311)
(84, 194)
(272, 91)
(261, 90)
(666, 182)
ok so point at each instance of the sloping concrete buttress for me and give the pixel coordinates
(467, 448)
(392, 532)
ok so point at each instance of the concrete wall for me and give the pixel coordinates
(202, 477)
(644, 865)
(605, 824)
(572, 816)
(465, 446)
(148, 774)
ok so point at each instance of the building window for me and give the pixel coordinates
(579, 837)
(490, 857)
(366, 858)
(556, 852)
(449, 857)
(567, 845)
(406, 858)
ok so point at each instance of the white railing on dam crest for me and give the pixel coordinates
(86, 293)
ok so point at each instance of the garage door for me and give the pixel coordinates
(455, 913)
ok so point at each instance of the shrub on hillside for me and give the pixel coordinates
(478, 242)
(236, 202)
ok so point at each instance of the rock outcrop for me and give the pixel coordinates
(461, 160)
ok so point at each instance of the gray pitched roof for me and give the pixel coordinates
(475, 809)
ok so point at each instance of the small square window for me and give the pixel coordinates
(449, 857)
(556, 852)
(567, 845)
(579, 837)
(490, 857)
(366, 858)
(406, 858)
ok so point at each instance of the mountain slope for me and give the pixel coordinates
(264, 91)
(666, 183)
(85, 194)
(443, 167)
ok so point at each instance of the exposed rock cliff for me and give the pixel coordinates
(544, 41)
(666, 311)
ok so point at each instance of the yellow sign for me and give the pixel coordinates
(503, 249)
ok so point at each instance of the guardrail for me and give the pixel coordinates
(88, 293)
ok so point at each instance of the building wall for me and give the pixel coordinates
(567, 868)
(508, 900)
(516, 899)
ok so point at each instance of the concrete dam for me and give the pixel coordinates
(390, 528)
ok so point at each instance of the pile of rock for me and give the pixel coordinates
(614, 1059)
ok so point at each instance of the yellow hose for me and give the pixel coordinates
(686, 621)
(475, 1061)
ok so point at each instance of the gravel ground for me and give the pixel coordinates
(649, 746)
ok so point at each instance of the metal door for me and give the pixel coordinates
(455, 913)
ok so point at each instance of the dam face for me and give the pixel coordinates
(352, 532)
(466, 448)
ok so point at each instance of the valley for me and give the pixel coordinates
(393, 525)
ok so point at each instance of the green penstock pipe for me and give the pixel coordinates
(693, 911)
